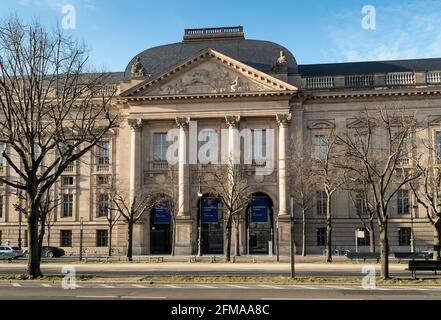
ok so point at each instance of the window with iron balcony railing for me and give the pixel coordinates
(159, 165)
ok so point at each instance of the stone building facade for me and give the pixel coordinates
(222, 81)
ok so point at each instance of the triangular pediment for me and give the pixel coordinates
(209, 72)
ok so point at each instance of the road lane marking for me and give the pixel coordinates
(97, 297)
(139, 286)
(107, 286)
(205, 286)
(145, 298)
(236, 286)
(16, 285)
(340, 287)
(171, 286)
(305, 287)
(45, 285)
(269, 287)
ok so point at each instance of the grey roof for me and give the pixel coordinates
(350, 68)
(258, 54)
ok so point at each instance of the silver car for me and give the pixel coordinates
(10, 253)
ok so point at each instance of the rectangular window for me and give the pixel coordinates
(103, 152)
(25, 238)
(404, 235)
(1, 207)
(1, 239)
(67, 181)
(102, 180)
(321, 203)
(438, 146)
(403, 202)
(66, 238)
(103, 205)
(259, 146)
(2, 159)
(67, 205)
(361, 142)
(360, 204)
(101, 238)
(321, 236)
(363, 241)
(160, 147)
(321, 147)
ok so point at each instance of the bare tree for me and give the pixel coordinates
(131, 208)
(228, 183)
(171, 193)
(112, 219)
(49, 114)
(427, 191)
(48, 205)
(303, 184)
(365, 210)
(375, 152)
(330, 178)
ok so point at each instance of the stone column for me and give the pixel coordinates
(283, 122)
(233, 145)
(184, 220)
(135, 153)
(139, 246)
(183, 167)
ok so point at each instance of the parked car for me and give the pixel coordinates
(52, 252)
(10, 253)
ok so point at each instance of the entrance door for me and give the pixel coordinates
(260, 225)
(212, 226)
(160, 228)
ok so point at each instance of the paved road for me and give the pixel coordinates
(172, 268)
(90, 291)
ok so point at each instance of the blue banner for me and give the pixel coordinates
(210, 210)
(259, 209)
(162, 213)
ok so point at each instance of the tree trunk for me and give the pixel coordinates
(227, 241)
(237, 237)
(372, 237)
(41, 235)
(436, 241)
(173, 238)
(303, 232)
(110, 240)
(48, 235)
(33, 267)
(384, 253)
(328, 230)
(130, 241)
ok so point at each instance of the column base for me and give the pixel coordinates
(184, 243)
(284, 230)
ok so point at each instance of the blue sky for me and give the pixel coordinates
(315, 31)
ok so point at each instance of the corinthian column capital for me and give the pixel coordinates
(283, 119)
(232, 121)
(135, 124)
(183, 122)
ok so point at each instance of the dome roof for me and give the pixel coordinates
(258, 54)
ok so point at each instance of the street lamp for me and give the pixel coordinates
(200, 195)
(20, 217)
(291, 206)
(81, 239)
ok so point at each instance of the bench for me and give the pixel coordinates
(412, 256)
(424, 265)
(363, 256)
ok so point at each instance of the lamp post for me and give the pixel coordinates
(20, 217)
(200, 195)
(81, 239)
(291, 206)
(412, 230)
